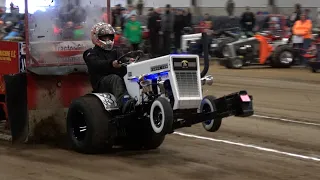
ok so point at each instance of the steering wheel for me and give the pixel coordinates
(123, 61)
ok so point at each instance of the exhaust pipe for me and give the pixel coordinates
(205, 47)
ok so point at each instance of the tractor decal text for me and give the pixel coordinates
(159, 67)
(71, 48)
(74, 59)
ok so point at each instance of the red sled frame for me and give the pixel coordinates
(38, 94)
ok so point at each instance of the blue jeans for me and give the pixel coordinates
(306, 45)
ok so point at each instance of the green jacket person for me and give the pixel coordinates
(133, 32)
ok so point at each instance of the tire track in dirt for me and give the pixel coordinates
(178, 158)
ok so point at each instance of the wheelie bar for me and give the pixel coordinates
(236, 104)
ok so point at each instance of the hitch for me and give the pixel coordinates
(238, 104)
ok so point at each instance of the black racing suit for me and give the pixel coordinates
(104, 77)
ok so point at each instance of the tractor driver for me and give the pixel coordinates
(106, 74)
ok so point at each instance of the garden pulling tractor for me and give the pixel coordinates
(48, 95)
(168, 93)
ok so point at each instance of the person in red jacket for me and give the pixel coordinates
(206, 23)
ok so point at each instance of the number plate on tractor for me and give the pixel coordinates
(245, 98)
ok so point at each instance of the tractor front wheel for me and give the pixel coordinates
(161, 116)
(283, 57)
(207, 106)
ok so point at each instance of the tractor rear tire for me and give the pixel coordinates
(88, 126)
(153, 142)
(279, 54)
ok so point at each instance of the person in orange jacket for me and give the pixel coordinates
(303, 28)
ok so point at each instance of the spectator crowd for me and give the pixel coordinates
(165, 26)
(12, 24)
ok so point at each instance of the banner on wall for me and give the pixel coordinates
(9, 57)
(9, 61)
(58, 53)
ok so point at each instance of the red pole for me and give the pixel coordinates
(109, 11)
(26, 31)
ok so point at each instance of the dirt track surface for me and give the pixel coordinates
(288, 93)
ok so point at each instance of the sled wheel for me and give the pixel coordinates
(88, 125)
(207, 105)
(161, 116)
(283, 57)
